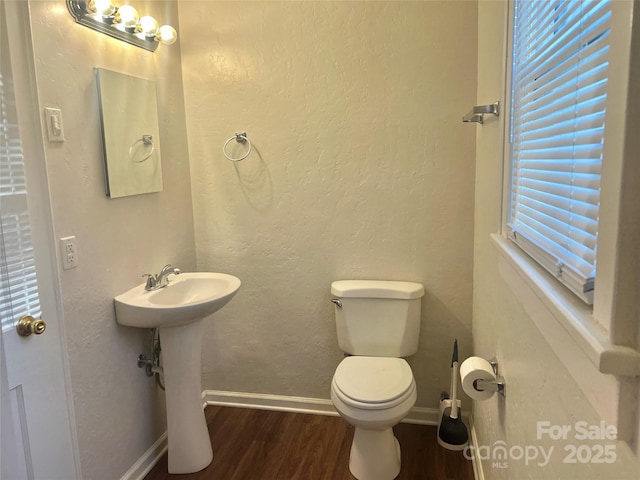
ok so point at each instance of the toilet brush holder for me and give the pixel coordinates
(445, 410)
(453, 434)
(445, 407)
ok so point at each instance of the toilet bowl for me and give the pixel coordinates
(373, 394)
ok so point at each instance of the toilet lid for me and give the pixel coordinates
(373, 380)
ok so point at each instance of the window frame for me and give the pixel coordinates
(602, 334)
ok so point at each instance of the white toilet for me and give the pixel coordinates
(377, 322)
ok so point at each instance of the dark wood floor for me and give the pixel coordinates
(253, 444)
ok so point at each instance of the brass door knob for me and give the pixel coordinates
(28, 325)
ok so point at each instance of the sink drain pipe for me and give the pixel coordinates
(152, 364)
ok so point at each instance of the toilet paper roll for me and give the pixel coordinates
(472, 369)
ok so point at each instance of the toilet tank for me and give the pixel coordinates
(377, 318)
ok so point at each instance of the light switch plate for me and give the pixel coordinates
(55, 129)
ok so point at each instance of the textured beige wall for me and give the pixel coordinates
(361, 168)
(540, 385)
(119, 412)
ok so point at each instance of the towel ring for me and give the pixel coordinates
(146, 140)
(240, 138)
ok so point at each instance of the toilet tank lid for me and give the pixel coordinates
(376, 289)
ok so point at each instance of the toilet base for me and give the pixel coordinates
(375, 455)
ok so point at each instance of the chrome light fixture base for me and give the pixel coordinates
(82, 15)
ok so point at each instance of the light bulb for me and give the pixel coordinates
(104, 8)
(128, 17)
(148, 26)
(167, 34)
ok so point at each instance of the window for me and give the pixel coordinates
(558, 102)
(18, 283)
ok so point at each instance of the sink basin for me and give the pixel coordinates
(188, 297)
(178, 311)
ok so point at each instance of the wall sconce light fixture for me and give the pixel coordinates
(122, 22)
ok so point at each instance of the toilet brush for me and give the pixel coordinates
(452, 432)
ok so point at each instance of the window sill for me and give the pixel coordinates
(569, 312)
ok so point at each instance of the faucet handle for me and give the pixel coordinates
(151, 281)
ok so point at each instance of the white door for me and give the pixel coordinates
(38, 439)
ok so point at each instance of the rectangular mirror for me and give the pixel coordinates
(130, 134)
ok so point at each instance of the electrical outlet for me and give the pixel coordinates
(68, 252)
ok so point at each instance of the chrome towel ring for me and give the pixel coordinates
(240, 138)
(146, 140)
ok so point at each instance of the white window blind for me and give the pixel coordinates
(558, 101)
(18, 283)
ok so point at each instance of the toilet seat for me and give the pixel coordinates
(373, 383)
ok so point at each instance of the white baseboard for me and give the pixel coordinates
(284, 403)
(478, 472)
(261, 401)
(148, 460)
(423, 416)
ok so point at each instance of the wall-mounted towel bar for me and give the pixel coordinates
(478, 112)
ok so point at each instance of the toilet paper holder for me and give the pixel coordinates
(497, 385)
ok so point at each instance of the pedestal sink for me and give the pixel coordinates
(178, 311)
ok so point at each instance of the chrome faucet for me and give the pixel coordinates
(154, 282)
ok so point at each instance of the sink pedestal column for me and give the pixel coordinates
(188, 438)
